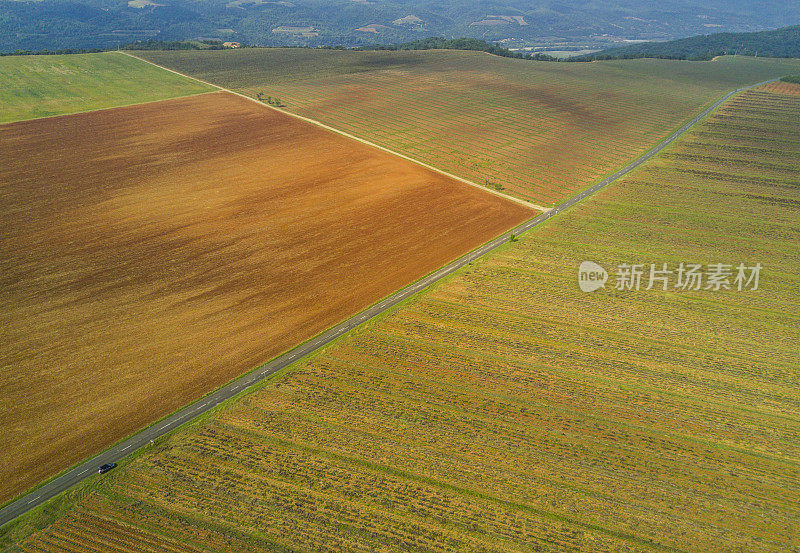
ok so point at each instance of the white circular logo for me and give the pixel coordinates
(591, 276)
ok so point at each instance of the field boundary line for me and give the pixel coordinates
(348, 135)
(135, 442)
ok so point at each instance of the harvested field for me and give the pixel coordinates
(154, 252)
(505, 410)
(538, 130)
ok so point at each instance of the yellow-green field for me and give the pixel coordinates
(41, 86)
(537, 130)
(505, 410)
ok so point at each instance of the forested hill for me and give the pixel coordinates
(780, 43)
(587, 24)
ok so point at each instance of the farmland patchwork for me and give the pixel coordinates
(506, 410)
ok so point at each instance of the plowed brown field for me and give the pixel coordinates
(151, 253)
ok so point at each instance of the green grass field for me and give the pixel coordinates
(538, 130)
(505, 410)
(42, 86)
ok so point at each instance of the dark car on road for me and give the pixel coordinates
(105, 468)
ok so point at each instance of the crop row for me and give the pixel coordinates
(285, 491)
(85, 530)
(783, 88)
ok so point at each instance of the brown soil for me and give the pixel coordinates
(149, 254)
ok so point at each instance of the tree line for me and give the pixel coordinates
(472, 44)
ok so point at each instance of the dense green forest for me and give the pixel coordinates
(138, 45)
(174, 45)
(780, 43)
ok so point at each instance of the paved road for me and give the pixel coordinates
(143, 438)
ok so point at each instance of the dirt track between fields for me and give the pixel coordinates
(152, 253)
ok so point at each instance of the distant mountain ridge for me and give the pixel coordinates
(61, 24)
